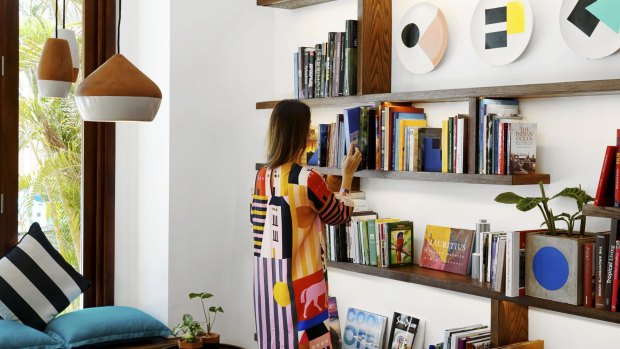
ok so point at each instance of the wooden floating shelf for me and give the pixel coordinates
(439, 177)
(289, 4)
(465, 284)
(601, 211)
(559, 89)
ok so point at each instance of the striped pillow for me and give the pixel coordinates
(36, 283)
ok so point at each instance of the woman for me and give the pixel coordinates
(289, 207)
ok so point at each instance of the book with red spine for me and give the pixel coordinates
(605, 189)
(617, 186)
(614, 295)
(588, 274)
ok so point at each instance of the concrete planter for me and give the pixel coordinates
(554, 267)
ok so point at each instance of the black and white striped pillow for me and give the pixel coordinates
(36, 283)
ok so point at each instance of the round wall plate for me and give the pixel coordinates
(422, 38)
(501, 30)
(591, 28)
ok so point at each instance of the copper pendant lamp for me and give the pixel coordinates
(71, 38)
(118, 91)
(55, 70)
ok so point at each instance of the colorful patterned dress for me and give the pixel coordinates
(290, 277)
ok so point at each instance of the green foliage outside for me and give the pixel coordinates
(50, 133)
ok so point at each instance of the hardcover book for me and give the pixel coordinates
(311, 146)
(588, 274)
(334, 322)
(522, 148)
(363, 330)
(403, 332)
(605, 189)
(447, 249)
(617, 186)
(400, 239)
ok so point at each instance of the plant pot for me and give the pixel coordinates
(212, 341)
(554, 267)
(185, 345)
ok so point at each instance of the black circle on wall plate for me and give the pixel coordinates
(410, 35)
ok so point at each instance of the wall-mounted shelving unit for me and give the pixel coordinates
(601, 211)
(439, 177)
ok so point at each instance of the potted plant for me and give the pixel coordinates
(554, 258)
(210, 339)
(189, 331)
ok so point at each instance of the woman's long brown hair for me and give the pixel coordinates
(288, 129)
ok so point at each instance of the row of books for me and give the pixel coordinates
(328, 69)
(368, 330)
(608, 190)
(371, 241)
(396, 138)
(601, 269)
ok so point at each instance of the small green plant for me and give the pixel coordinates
(189, 329)
(209, 315)
(527, 203)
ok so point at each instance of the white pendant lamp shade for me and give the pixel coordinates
(55, 71)
(69, 35)
(118, 91)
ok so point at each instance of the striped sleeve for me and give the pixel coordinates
(332, 209)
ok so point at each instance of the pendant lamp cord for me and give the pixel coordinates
(118, 31)
(56, 26)
(64, 13)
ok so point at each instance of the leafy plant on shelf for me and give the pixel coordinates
(209, 315)
(189, 329)
(527, 203)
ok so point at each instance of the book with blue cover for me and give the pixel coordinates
(351, 127)
(363, 330)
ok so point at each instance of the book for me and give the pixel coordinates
(522, 148)
(334, 322)
(444, 146)
(372, 241)
(400, 241)
(481, 226)
(351, 127)
(311, 146)
(600, 254)
(605, 189)
(447, 249)
(447, 339)
(296, 75)
(432, 154)
(318, 69)
(363, 330)
(588, 274)
(611, 253)
(617, 180)
(403, 331)
(461, 336)
(614, 292)
(486, 106)
(499, 265)
(513, 246)
(350, 58)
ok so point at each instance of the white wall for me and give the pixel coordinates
(142, 168)
(183, 182)
(573, 133)
(221, 65)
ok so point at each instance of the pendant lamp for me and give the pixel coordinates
(55, 71)
(71, 38)
(118, 91)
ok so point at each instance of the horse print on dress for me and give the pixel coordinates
(311, 295)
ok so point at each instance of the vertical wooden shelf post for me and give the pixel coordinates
(509, 323)
(374, 46)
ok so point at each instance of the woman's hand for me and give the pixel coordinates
(351, 162)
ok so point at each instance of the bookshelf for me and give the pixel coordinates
(438, 176)
(289, 4)
(601, 211)
(465, 284)
(509, 316)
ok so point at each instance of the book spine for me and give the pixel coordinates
(588, 268)
(601, 267)
(341, 79)
(512, 264)
(296, 73)
(318, 69)
(311, 62)
(306, 69)
(611, 253)
(614, 294)
(372, 139)
(444, 146)
(605, 189)
(336, 65)
(502, 149)
(450, 144)
(617, 186)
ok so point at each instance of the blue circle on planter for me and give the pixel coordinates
(550, 268)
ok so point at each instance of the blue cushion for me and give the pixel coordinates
(93, 326)
(14, 335)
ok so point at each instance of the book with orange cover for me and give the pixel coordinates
(447, 249)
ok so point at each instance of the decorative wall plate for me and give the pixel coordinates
(591, 28)
(422, 38)
(501, 30)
